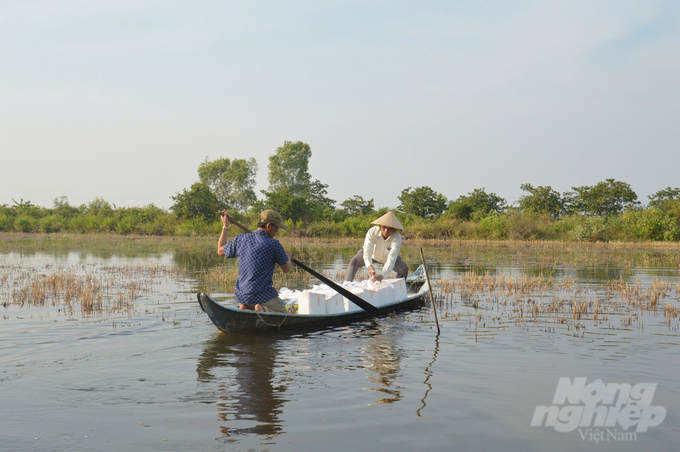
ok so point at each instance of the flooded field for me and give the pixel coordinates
(543, 346)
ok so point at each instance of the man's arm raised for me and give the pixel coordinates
(224, 236)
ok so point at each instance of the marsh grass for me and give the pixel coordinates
(79, 289)
(500, 299)
(472, 286)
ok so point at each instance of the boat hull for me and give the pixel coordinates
(232, 319)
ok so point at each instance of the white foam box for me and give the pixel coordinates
(399, 287)
(335, 304)
(311, 303)
(349, 306)
(380, 295)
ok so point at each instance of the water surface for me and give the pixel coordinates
(152, 373)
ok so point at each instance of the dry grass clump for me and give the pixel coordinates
(60, 287)
(222, 277)
(501, 298)
(637, 296)
(89, 289)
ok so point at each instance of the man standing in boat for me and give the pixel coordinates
(381, 246)
(258, 253)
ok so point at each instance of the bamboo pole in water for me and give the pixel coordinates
(427, 278)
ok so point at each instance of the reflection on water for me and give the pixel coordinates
(250, 375)
(428, 375)
(243, 368)
(383, 358)
(193, 261)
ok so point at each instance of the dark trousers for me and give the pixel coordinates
(357, 262)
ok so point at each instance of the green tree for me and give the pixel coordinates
(198, 202)
(477, 203)
(310, 206)
(98, 206)
(357, 205)
(63, 208)
(242, 173)
(231, 181)
(288, 205)
(25, 207)
(542, 200)
(606, 198)
(60, 202)
(422, 202)
(291, 189)
(317, 192)
(662, 197)
(289, 168)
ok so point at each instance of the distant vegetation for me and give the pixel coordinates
(607, 211)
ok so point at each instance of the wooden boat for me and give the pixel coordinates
(233, 319)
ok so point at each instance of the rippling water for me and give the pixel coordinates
(154, 374)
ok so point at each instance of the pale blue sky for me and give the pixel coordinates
(124, 99)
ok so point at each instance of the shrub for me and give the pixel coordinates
(83, 224)
(355, 226)
(563, 227)
(164, 225)
(107, 224)
(442, 228)
(126, 225)
(196, 227)
(99, 207)
(6, 223)
(651, 224)
(528, 226)
(592, 229)
(324, 229)
(52, 223)
(25, 223)
(494, 226)
(464, 229)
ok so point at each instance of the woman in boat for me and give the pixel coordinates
(381, 246)
(258, 254)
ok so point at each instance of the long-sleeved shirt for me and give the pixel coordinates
(381, 250)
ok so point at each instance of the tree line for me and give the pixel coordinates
(608, 210)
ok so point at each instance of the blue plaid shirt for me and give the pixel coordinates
(257, 257)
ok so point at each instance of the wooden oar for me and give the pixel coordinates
(363, 304)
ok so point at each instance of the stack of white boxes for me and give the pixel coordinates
(378, 294)
(319, 300)
(324, 300)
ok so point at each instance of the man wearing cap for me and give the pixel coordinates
(258, 253)
(381, 246)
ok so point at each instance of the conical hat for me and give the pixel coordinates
(389, 220)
